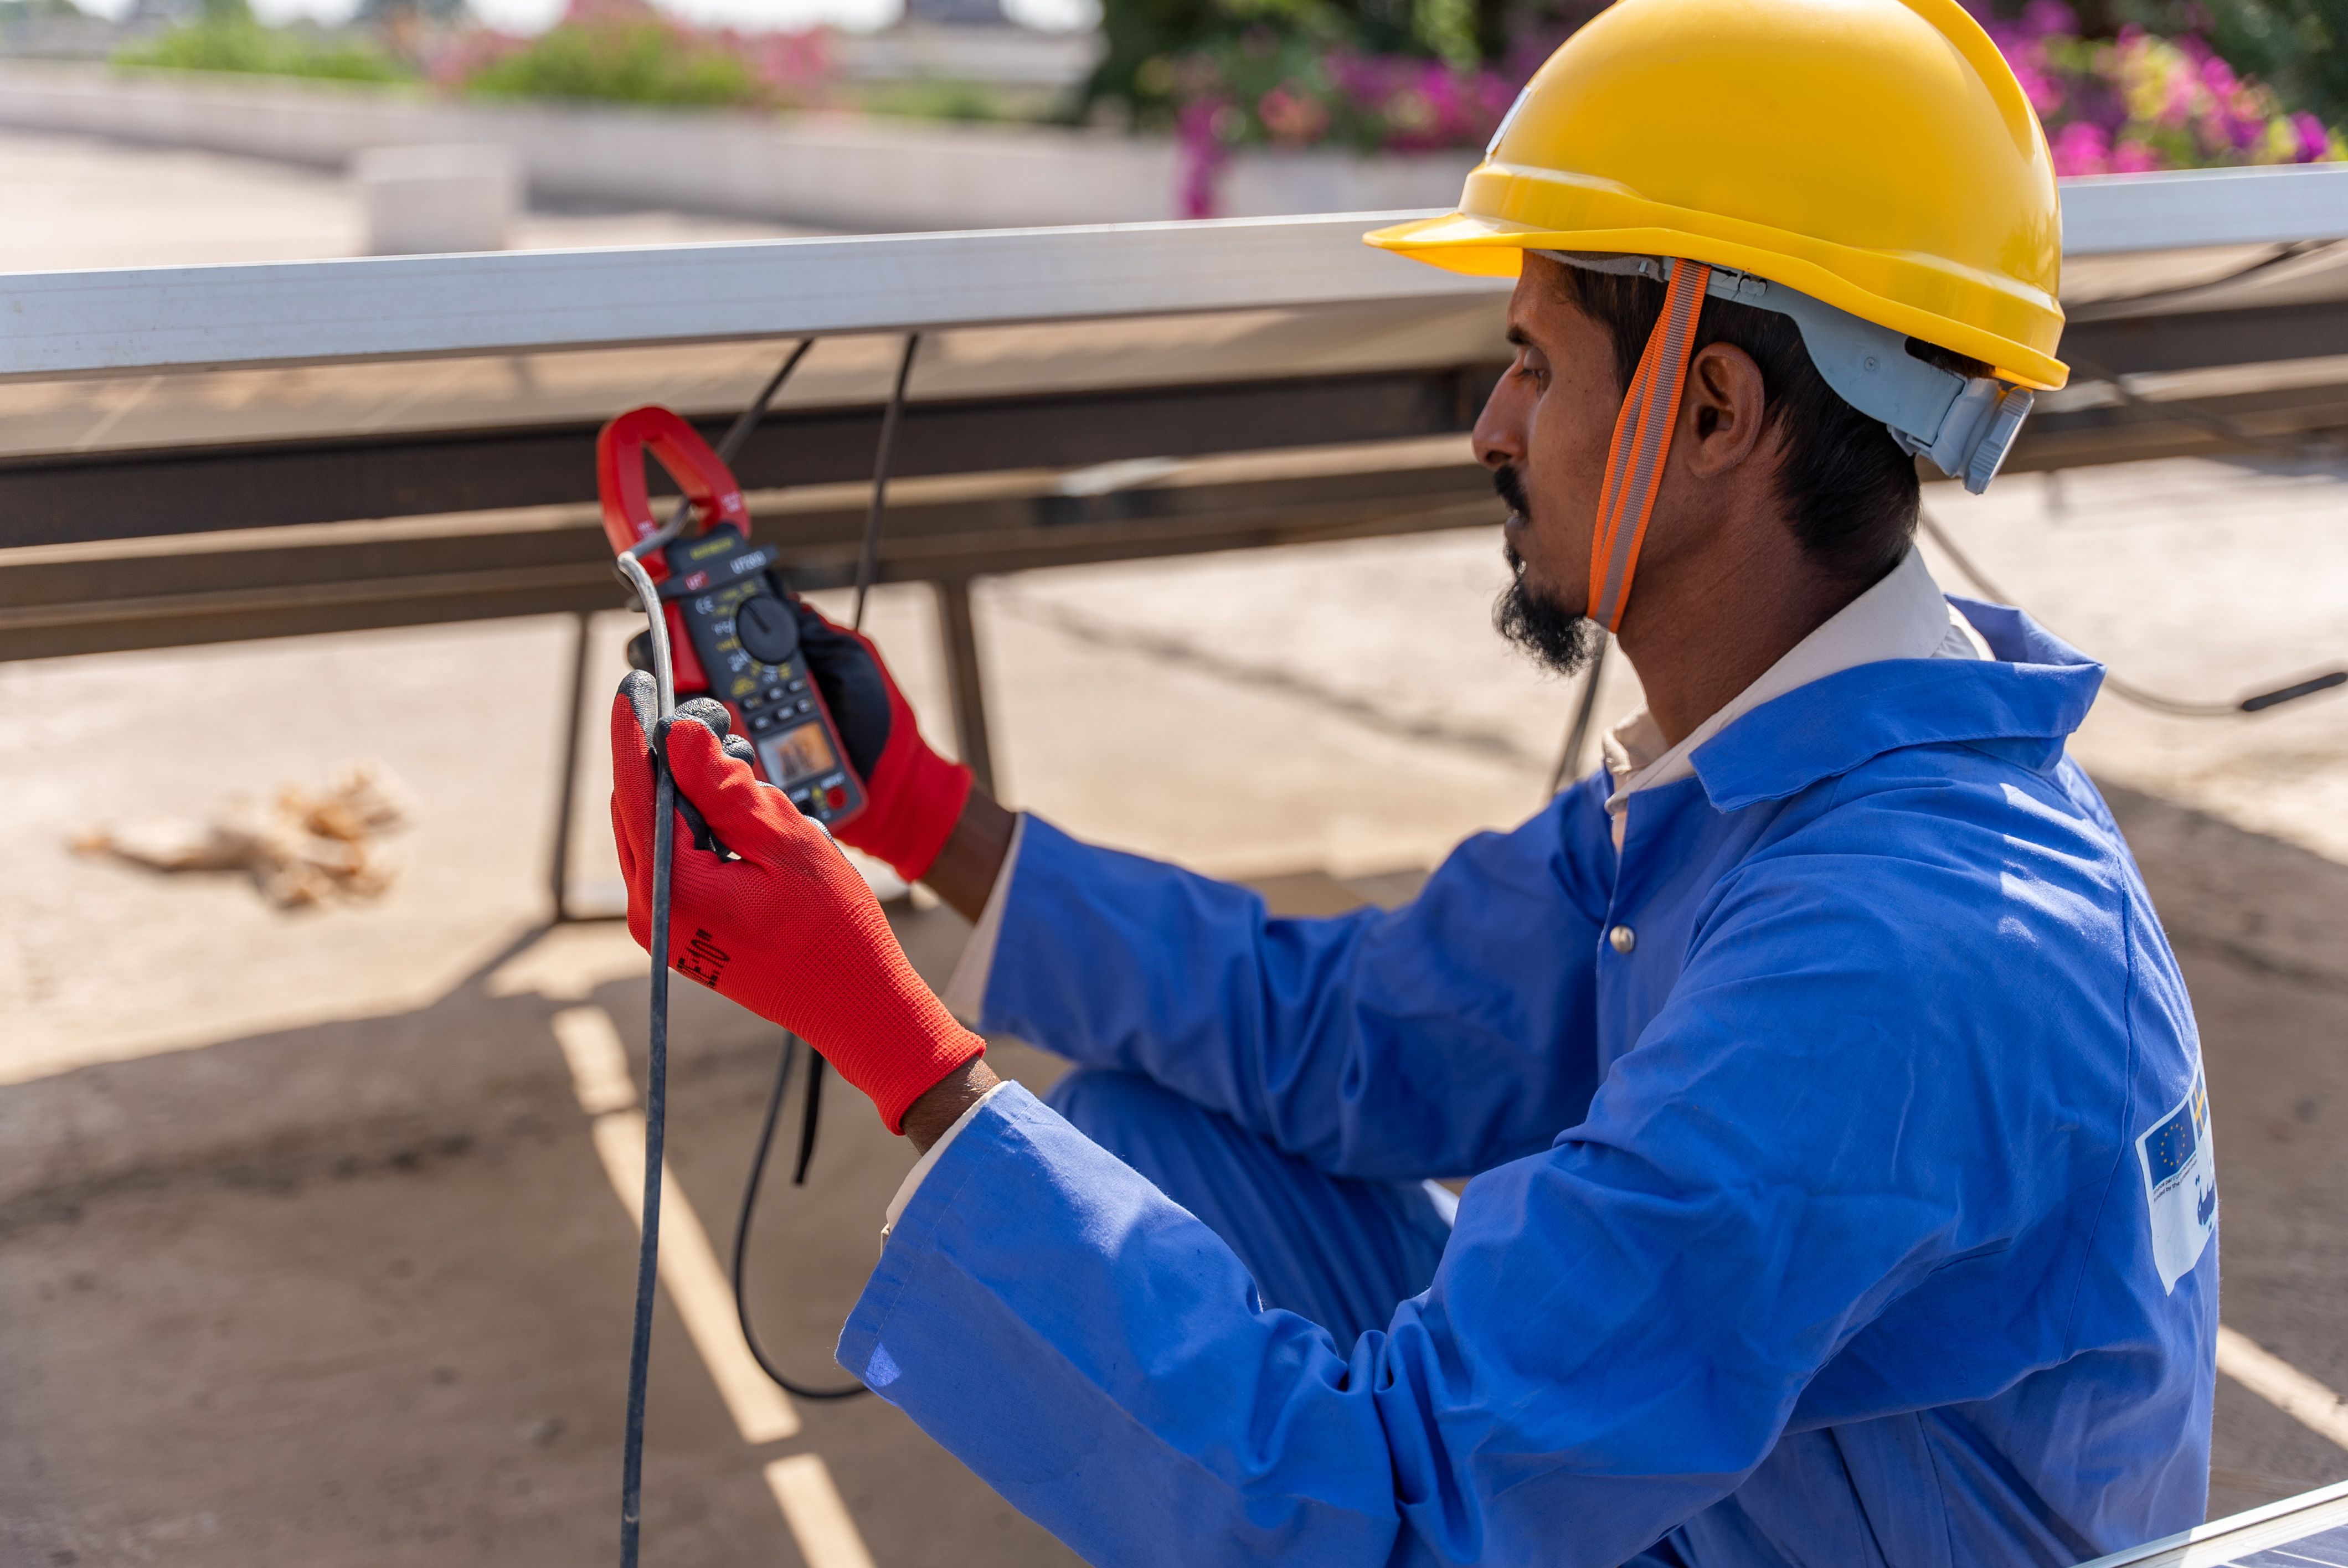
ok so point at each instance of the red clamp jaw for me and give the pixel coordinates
(620, 480)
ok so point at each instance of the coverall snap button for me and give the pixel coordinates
(1623, 937)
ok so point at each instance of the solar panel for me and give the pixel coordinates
(2328, 1547)
(139, 358)
(1077, 395)
(2306, 1532)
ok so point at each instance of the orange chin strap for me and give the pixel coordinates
(1643, 439)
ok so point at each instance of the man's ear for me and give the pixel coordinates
(1721, 410)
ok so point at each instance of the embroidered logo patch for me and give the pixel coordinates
(2180, 1184)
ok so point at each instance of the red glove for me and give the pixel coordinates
(785, 927)
(913, 796)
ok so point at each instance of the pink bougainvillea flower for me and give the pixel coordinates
(2042, 88)
(1201, 155)
(2114, 105)
(2041, 18)
(2082, 147)
(2180, 90)
(2314, 142)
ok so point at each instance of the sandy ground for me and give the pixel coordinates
(304, 1249)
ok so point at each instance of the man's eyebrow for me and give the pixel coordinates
(1518, 337)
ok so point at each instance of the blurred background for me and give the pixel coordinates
(1107, 109)
(313, 1246)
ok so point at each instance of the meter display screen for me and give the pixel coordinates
(800, 754)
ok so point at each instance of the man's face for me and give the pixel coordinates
(1543, 434)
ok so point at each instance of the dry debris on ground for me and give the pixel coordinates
(300, 848)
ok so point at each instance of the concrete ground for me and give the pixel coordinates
(310, 1251)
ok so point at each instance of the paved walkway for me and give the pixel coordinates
(75, 201)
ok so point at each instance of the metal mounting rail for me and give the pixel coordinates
(164, 319)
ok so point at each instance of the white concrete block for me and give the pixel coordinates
(435, 199)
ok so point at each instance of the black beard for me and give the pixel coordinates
(1559, 640)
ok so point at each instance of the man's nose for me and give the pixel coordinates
(1499, 437)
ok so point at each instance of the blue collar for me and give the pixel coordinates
(2036, 687)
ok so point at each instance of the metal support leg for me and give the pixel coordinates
(959, 636)
(559, 872)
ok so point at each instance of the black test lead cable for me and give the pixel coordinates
(868, 559)
(868, 565)
(742, 1236)
(1569, 758)
(632, 571)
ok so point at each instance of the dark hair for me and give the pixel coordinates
(1851, 491)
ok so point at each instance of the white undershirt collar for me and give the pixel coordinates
(1905, 616)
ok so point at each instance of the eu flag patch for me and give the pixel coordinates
(2180, 1184)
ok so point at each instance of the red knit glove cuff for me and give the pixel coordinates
(914, 812)
(897, 1072)
(845, 988)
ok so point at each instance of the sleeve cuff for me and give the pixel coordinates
(929, 1156)
(965, 992)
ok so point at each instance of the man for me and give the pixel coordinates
(1841, 1190)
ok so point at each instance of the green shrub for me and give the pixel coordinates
(623, 51)
(234, 42)
(2298, 46)
(966, 102)
(639, 63)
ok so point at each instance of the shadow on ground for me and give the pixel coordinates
(359, 1293)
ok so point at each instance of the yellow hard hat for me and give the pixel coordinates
(1876, 155)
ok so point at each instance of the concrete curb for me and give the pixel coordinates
(852, 173)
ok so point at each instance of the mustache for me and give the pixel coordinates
(1511, 488)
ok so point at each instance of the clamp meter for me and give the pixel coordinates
(733, 631)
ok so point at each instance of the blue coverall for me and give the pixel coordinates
(1860, 1213)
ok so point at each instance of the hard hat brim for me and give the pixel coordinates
(1487, 247)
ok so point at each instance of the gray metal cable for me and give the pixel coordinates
(2128, 690)
(633, 573)
(868, 565)
(640, 1342)
(868, 559)
(1570, 758)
